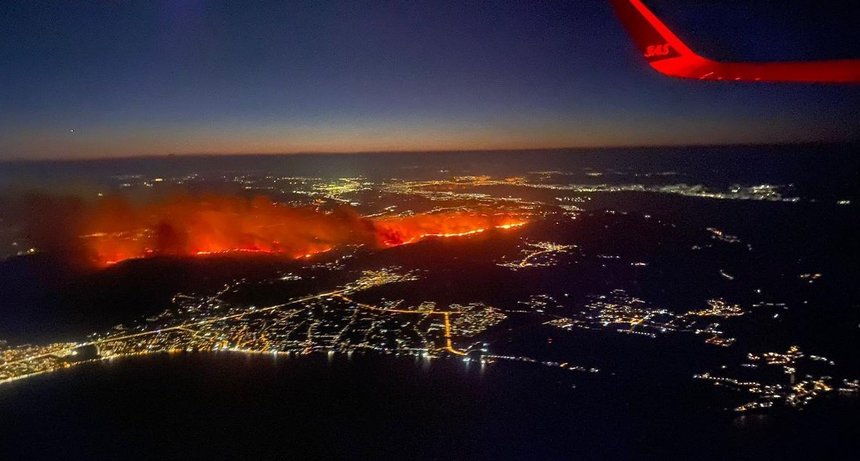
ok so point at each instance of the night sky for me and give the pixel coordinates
(101, 79)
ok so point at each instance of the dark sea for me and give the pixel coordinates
(236, 406)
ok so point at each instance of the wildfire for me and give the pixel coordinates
(115, 230)
(394, 231)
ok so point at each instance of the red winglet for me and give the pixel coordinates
(667, 54)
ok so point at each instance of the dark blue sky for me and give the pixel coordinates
(137, 78)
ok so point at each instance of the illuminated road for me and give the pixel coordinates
(186, 326)
(525, 261)
(449, 346)
(36, 360)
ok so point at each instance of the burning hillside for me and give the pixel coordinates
(115, 230)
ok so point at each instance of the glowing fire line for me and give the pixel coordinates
(461, 234)
(233, 251)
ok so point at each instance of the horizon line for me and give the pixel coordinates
(414, 152)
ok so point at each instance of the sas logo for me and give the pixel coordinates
(654, 51)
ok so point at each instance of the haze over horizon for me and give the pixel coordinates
(159, 78)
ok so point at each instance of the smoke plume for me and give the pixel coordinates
(115, 229)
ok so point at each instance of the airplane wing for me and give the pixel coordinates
(667, 54)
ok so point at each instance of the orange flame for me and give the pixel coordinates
(116, 230)
(400, 231)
